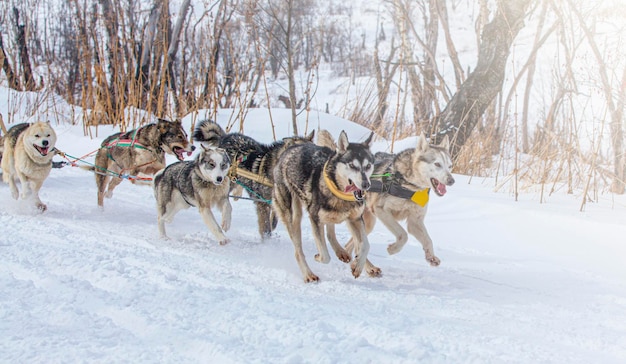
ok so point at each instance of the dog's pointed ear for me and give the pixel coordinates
(368, 141)
(445, 143)
(422, 143)
(342, 144)
(162, 125)
(311, 135)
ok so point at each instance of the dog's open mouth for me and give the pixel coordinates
(359, 195)
(42, 150)
(440, 188)
(180, 153)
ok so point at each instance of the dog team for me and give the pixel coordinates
(334, 181)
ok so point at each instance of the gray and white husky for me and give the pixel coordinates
(401, 191)
(330, 184)
(202, 183)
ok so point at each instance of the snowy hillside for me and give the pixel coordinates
(520, 282)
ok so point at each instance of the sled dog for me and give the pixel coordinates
(27, 158)
(403, 192)
(140, 150)
(202, 183)
(252, 156)
(331, 185)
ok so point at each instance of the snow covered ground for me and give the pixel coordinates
(520, 282)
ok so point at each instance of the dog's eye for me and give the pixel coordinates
(36, 135)
(224, 165)
(438, 165)
(211, 165)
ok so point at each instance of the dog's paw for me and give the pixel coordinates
(344, 256)
(164, 237)
(224, 241)
(311, 278)
(42, 207)
(394, 248)
(325, 259)
(108, 194)
(433, 260)
(373, 271)
(356, 271)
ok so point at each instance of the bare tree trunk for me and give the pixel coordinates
(209, 92)
(529, 80)
(13, 81)
(113, 47)
(173, 49)
(290, 64)
(384, 72)
(462, 113)
(430, 63)
(617, 132)
(142, 74)
(442, 11)
(27, 71)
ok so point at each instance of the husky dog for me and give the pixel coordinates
(137, 151)
(202, 182)
(403, 192)
(331, 185)
(248, 155)
(27, 157)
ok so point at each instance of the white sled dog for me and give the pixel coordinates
(27, 158)
(330, 184)
(203, 183)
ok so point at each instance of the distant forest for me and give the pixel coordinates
(171, 58)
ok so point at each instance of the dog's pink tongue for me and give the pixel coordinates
(441, 188)
(43, 150)
(350, 188)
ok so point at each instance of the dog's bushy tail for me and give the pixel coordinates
(325, 139)
(209, 132)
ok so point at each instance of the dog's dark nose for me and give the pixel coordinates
(450, 181)
(44, 143)
(219, 179)
(366, 185)
(193, 147)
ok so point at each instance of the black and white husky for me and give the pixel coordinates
(330, 184)
(249, 155)
(202, 183)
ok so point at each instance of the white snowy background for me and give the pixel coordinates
(520, 282)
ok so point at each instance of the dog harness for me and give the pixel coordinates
(126, 143)
(419, 197)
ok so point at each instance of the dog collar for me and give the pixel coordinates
(335, 190)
